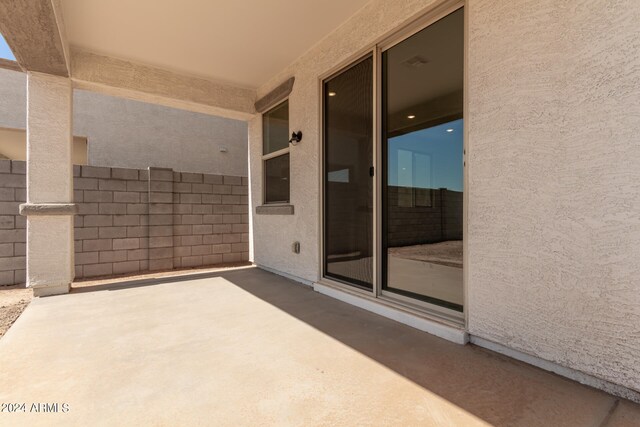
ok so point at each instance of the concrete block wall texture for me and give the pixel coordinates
(132, 220)
(13, 233)
(111, 226)
(434, 216)
(135, 220)
(439, 217)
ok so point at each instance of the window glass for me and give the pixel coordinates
(277, 179)
(348, 198)
(275, 128)
(422, 80)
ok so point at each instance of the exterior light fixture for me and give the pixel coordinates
(332, 94)
(295, 138)
(411, 117)
(449, 130)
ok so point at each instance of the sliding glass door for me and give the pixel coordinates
(348, 182)
(418, 234)
(422, 154)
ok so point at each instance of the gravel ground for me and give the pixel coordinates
(13, 301)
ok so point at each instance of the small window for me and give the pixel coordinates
(275, 150)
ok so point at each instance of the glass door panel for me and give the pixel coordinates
(422, 157)
(348, 184)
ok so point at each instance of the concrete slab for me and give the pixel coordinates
(426, 278)
(247, 347)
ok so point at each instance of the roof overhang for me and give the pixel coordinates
(207, 56)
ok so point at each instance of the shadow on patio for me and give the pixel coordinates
(247, 347)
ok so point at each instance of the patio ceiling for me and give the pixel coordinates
(242, 42)
(207, 56)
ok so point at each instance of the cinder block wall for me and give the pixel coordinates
(439, 220)
(132, 220)
(13, 233)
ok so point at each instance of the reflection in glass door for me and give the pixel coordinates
(348, 184)
(422, 155)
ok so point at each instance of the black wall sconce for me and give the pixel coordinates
(295, 138)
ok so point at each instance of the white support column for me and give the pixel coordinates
(49, 208)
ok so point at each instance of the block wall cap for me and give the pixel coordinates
(27, 209)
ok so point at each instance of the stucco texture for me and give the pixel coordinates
(50, 254)
(132, 80)
(49, 140)
(133, 134)
(13, 99)
(554, 186)
(553, 112)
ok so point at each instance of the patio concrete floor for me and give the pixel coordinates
(247, 347)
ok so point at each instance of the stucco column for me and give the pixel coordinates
(49, 208)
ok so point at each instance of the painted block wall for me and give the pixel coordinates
(132, 220)
(13, 226)
(132, 134)
(554, 188)
(442, 220)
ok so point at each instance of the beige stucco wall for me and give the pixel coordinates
(50, 238)
(13, 99)
(554, 187)
(554, 182)
(132, 134)
(13, 146)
